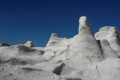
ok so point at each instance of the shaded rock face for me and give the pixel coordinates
(25, 48)
(108, 52)
(58, 69)
(111, 35)
(4, 44)
(15, 61)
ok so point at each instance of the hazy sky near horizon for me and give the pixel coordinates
(35, 20)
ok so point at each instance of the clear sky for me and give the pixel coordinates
(35, 20)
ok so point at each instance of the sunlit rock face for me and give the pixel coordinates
(82, 57)
(84, 44)
(110, 34)
(84, 26)
(29, 44)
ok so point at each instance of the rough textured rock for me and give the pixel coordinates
(84, 44)
(111, 35)
(107, 50)
(83, 57)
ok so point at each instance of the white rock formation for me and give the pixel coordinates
(109, 34)
(29, 44)
(84, 44)
(83, 57)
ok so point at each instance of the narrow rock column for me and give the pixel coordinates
(84, 45)
(84, 26)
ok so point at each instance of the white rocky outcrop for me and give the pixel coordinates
(82, 57)
(29, 44)
(84, 44)
(77, 45)
(109, 34)
(53, 40)
(81, 49)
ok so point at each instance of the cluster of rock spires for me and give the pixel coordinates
(83, 57)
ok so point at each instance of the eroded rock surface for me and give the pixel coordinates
(83, 57)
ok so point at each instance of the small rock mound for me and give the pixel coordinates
(29, 44)
(4, 44)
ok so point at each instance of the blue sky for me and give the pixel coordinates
(35, 20)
